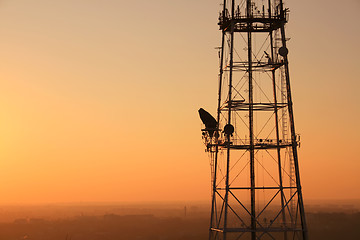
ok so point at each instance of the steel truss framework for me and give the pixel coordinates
(256, 191)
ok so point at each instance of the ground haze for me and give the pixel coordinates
(153, 221)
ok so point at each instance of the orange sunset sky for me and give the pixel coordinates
(99, 98)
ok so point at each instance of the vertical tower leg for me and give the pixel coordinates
(293, 137)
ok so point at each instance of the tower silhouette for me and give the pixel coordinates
(256, 190)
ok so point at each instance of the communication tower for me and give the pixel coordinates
(256, 190)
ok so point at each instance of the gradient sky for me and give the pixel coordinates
(99, 99)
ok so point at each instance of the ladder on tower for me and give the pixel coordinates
(289, 152)
(289, 158)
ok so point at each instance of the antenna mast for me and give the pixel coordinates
(256, 190)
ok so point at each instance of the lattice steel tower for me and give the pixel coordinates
(256, 191)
